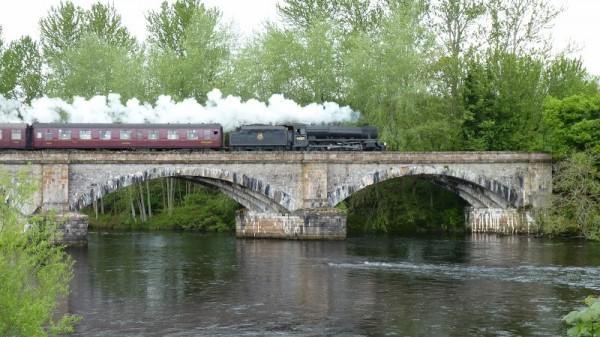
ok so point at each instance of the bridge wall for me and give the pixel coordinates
(282, 183)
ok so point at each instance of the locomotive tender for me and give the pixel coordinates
(299, 137)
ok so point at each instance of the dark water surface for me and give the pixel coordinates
(177, 284)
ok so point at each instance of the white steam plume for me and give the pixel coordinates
(229, 111)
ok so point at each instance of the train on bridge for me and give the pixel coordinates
(255, 137)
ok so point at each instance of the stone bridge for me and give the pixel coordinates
(294, 194)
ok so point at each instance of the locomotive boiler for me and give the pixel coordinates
(301, 137)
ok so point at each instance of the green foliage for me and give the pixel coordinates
(303, 65)
(34, 273)
(576, 200)
(572, 124)
(20, 70)
(89, 52)
(195, 208)
(585, 322)
(190, 51)
(566, 77)
(168, 28)
(353, 15)
(388, 79)
(100, 68)
(103, 21)
(404, 205)
(502, 100)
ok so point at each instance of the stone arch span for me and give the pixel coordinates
(252, 193)
(476, 189)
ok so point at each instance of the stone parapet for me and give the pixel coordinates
(313, 224)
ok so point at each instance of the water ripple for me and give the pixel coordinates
(584, 277)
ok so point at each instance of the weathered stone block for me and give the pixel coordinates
(314, 224)
(73, 228)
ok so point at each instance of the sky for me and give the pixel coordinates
(578, 24)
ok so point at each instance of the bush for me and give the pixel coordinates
(587, 321)
(34, 273)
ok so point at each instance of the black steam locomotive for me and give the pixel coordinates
(300, 137)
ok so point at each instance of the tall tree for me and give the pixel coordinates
(189, 54)
(168, 28)
(566, 77)
(66, 33)
(388, 79)
(520, 26)
(456, 25)
(59, 30)
(104, 21)
(21, 70)
(100, 68)
(303, 65)
(504, 110)
(353, 16)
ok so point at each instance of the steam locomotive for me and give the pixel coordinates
(256, 137)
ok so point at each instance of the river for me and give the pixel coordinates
(182, 284)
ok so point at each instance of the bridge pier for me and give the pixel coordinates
(498, 220)
(74, 229)
(312, 224)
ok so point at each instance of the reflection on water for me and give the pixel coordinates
(176, 284)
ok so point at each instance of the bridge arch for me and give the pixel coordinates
(476, 189)
(252, 193)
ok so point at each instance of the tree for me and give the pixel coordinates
(20, 71)
(58, 32)
(388, 78)
(353, 16)
(168, 28)
(576, 196)
(566, 77)
(571, 124)
(303, 65)
(100, 68)
(190, 51)
(89, 52)
(34, 273)
(520, 26)
(456, 23)
(103, 21)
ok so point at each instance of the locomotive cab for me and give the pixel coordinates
(298, 137)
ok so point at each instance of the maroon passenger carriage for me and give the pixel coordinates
(126, 136)
(13, 136)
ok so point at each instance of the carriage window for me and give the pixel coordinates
(64, 134)
(48, 135)
(215, 134)
(192, 134)
(139, 135)
(85, 134)
(15, 134)
(0, 134)
(173, 134)
(105, 134)
(206, 134)
(153, 134)
(125, 134)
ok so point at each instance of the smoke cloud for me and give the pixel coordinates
(229, 111)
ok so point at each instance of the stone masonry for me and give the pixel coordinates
(289, 190)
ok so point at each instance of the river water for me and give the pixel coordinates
(181, 284)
